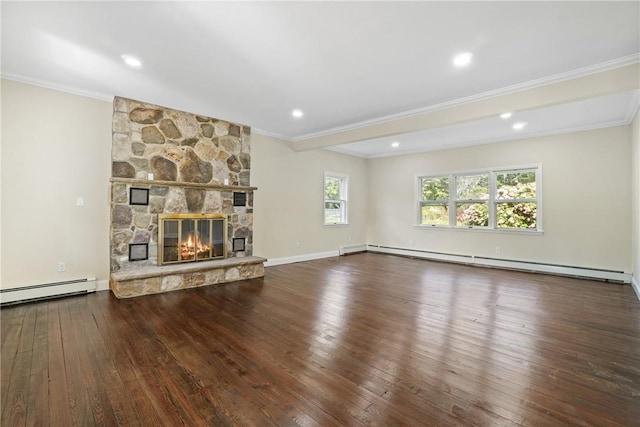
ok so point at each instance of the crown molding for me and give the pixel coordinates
(60, 88)
(271, 134)
(633, 107)
(520, 87)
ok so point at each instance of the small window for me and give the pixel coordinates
(335, 198)
(434, 206)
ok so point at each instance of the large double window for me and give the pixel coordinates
(505, 198)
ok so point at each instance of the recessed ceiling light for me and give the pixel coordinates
(505, 115)
(395, 144)
(519, 125)
(297, 113)
(131, 61)
(462, 59)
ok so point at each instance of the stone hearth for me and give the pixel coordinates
(177, 162)
(153, 280)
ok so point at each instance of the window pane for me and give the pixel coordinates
(472, 214)
(516, 215)
(332, 188)
(333, 212)
(472, 187)
(435, 188)
(516, 185)
(435, 214)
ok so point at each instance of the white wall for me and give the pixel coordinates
(635, 196)
(289, 200)
(55, 147)
(586, 204)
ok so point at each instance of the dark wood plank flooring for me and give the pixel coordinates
(365, 339)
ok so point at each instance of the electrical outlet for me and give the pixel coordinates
(62, 266)
(497, 250)
(297, 244)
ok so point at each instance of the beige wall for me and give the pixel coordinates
(635, 196)
(55, 147)
(586, 204)
(288, 202)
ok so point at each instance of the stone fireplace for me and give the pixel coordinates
(177, 176)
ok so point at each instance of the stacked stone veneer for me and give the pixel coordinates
(197, 163)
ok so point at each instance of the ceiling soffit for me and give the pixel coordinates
(622, 79)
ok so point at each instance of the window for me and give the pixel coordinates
(434, 206)
(335, 198)
(472, 200)
(506, 198)
(516, 199)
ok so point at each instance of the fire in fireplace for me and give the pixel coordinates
(191, 237)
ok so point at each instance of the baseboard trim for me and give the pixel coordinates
(102, 285)
(635, 286)
(300, 258)
(563, 270)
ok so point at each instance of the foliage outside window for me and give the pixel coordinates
(335, 198)
(495, 199)
(516, 205)
(434, 207)
(472, 200)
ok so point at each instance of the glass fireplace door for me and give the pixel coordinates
(188, 237)
(171, 237)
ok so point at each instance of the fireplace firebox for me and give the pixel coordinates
(191, 237)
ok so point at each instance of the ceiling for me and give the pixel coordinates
(345, 64)
(592, 113)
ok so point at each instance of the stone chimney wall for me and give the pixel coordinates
(196, 162)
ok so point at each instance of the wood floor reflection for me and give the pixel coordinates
(365, 339)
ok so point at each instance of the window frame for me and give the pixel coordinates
(537, 200)
(492, 201)
(437, 202)
(344, 198)
(453, 217)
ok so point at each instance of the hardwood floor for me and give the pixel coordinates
(366, 339)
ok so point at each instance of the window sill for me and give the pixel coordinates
(520, 231)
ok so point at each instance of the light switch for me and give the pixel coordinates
(79, 201)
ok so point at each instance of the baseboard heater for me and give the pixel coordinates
(563, 270)
(47, 290)
(352, 249)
